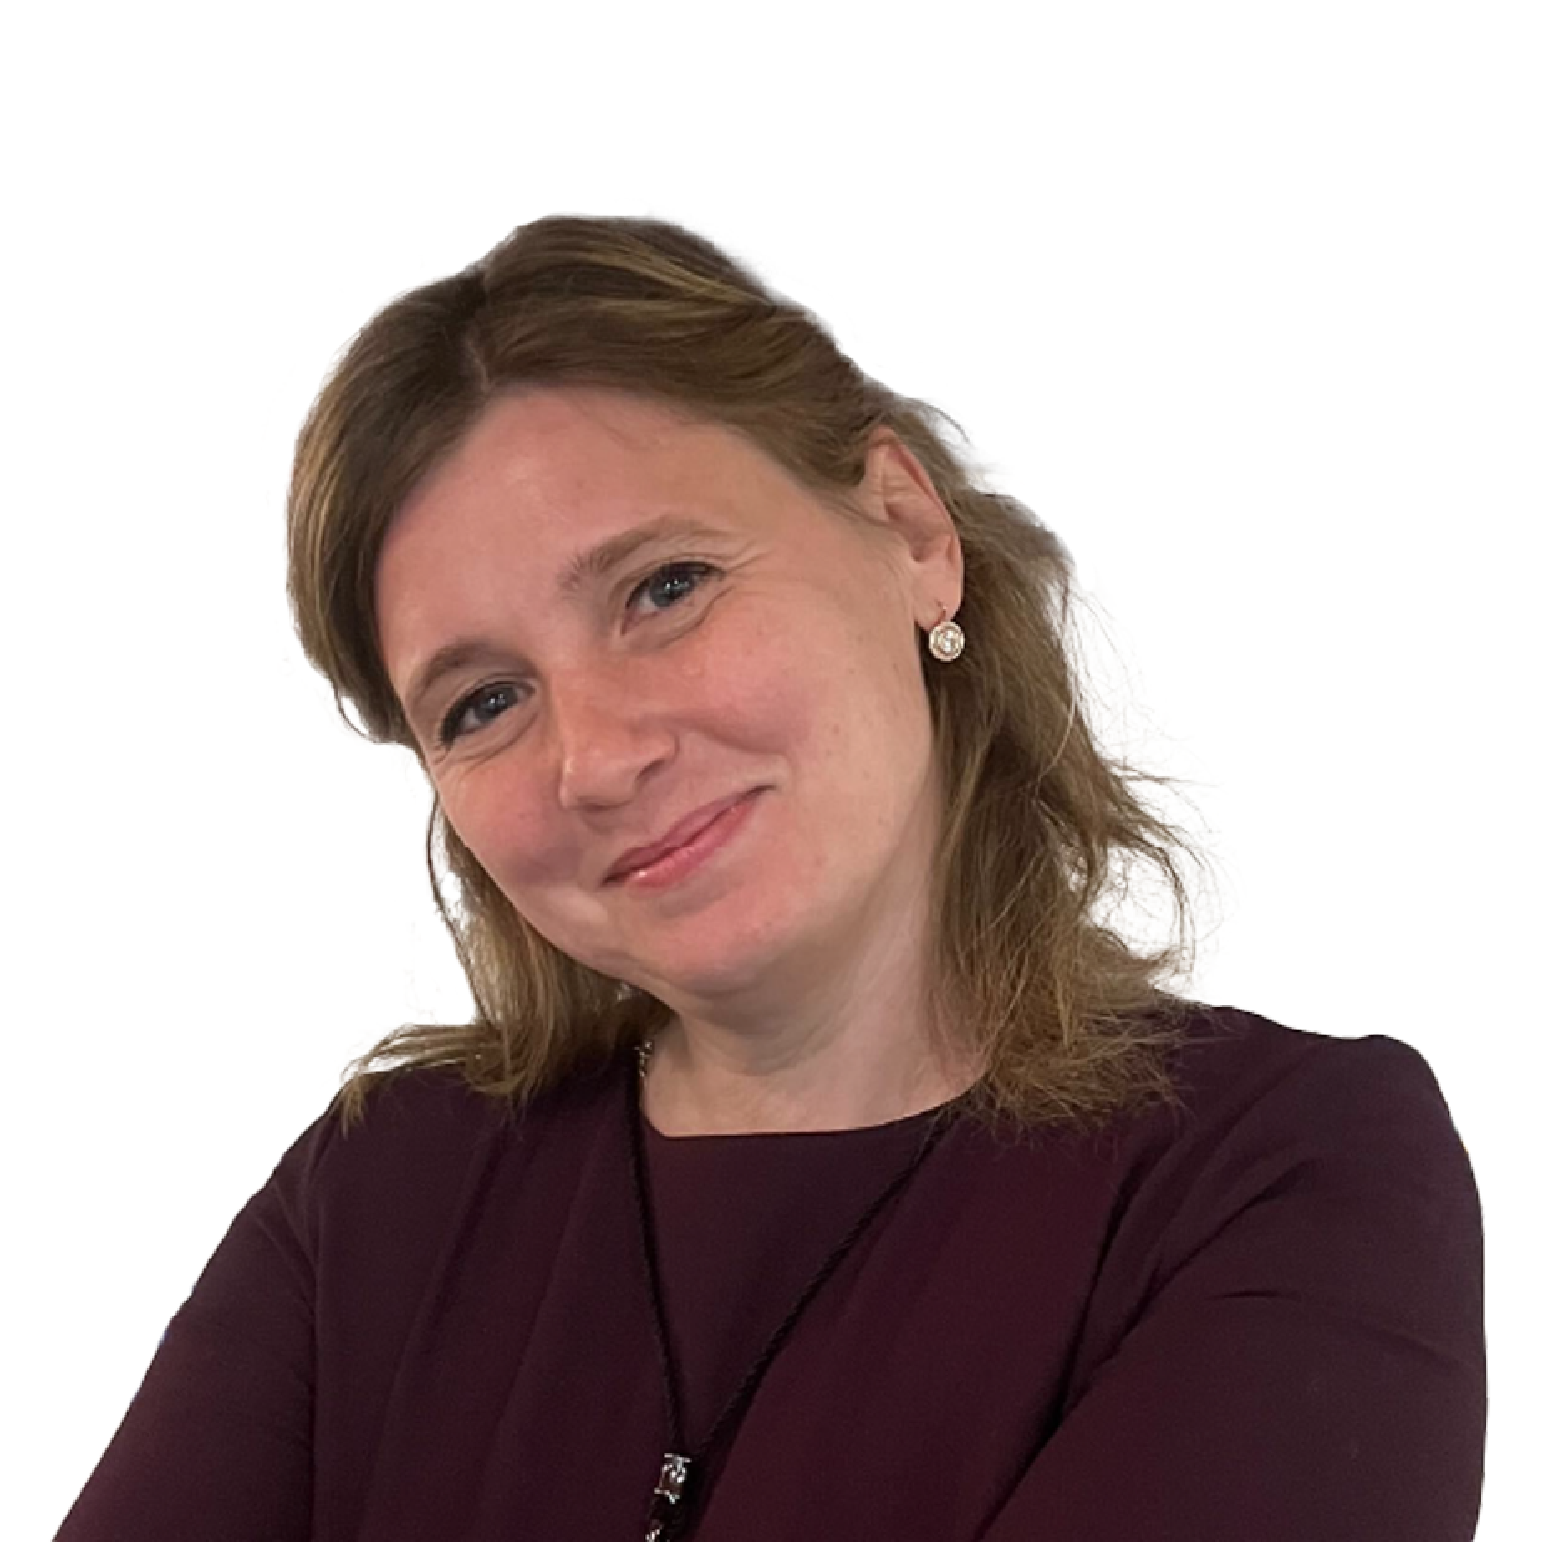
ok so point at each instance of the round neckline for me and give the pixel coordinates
(744, 1139)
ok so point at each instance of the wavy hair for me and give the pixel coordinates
(1044, 833)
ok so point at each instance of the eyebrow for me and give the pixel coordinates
(443, 661)
(587, 567)
(609, 554)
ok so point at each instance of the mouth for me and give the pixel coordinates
(685, 846)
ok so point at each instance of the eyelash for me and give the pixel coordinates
(449, 727)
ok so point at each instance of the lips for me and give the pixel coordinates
(680, 834)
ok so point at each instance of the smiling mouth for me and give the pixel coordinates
(688, 844)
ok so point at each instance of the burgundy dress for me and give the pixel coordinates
(1259, 1320)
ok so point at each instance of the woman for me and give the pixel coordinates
(819, 1162)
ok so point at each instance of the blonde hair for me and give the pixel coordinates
(1042, 832)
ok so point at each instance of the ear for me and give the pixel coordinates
(898, 494)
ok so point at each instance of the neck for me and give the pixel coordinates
(688, 1092)
(865, 1049)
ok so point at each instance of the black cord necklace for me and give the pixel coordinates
(683, 1477)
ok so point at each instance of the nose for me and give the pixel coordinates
(609, 738)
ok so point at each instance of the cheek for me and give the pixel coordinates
(751, 687)
(501, 822)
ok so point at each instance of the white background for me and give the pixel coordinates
(1243, 299)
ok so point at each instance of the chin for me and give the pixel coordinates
(717, 937)
(706, 968)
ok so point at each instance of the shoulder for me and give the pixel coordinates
(1238, 1067)
(424, 1134)
(1294, 1134)
(1257, 1104)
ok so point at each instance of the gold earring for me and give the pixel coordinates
(945, 640)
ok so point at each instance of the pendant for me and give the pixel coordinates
(668, 1507)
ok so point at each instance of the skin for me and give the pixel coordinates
(754, 644)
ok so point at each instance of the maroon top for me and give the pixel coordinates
(1260, 1319)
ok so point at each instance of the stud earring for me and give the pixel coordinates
(945, 641)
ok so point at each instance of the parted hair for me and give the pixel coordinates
(1044, 833)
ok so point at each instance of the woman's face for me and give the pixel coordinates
(671, 701)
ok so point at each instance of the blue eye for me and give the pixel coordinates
(667, 586)
(476, 710)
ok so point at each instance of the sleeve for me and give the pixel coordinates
(217, 1442)
(1306, 1356)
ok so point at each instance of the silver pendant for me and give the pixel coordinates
(668, 1498)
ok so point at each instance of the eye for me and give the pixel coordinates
(476, 710)
(667, 586)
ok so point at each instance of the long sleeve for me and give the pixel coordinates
(1307, 1360)
(217, 1442)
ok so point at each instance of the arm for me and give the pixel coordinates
(217, 1441)
(1307, 1363)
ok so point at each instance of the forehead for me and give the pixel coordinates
(572, 464)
